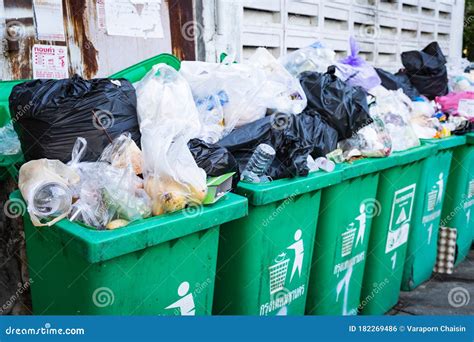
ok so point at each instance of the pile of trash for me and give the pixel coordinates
(105, 153)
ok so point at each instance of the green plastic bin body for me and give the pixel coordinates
(264, 259)
(396, 197)
(458, 208)
(342, 238)
(158, 266)
(423, 237)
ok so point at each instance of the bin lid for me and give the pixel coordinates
(136, 72)
(100, 245)
(365, 166)
(5, 91)
(414, 154)
(470, 138)
(264, 193)
(448, 142)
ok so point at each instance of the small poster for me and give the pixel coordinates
(50, 61)
(49, 20)
(100, 6)
(134, 18)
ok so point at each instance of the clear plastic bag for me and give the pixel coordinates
(394, 108)
(109, 189)
(227, 95)
(172, 178)
(10, 144)
(315, 57)
(282, 91)
(164, 97)
(372, 141)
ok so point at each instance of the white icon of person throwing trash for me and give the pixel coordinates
(440, 183)
(298, 247)
(186, 303)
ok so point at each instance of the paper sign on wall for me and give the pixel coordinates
(134, 18)
(100, 6)
(50, 61)
(49, 20)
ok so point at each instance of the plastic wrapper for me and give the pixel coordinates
(315, 57)
(293, 137)
(51, 114)
(164, 98)
(372, 141)
(398, 81)
(10, 144)
(427, 71)
(342, 106)
(355, 71)
(394, 109)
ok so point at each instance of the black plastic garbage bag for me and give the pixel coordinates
(427, 71)
(293, 137)
(213, 158)
(50, 114)
(342, 106)
(400, 80)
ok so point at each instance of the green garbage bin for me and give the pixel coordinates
(264, 259)
(396, 196)
(458, 205)
(163, 265)
(423, 238)
(136, 72)
(342, 237)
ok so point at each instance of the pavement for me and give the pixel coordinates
(442, 294)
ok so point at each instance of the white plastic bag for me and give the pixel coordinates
(282, 91)
(227, 95)
(315, 57)
(172, 178)
(164, 97)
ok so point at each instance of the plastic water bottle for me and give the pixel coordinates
(258, 164)
(51, 199)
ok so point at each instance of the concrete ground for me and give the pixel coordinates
(442, 295)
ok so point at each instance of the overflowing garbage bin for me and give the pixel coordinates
(423, 237)
(396, 195)
(158, 266)
(264, 259)
(458, 205)
(345, 217)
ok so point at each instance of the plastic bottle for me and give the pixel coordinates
(51, 199)
(258, 164)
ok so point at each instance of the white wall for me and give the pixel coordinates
(384, 28)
